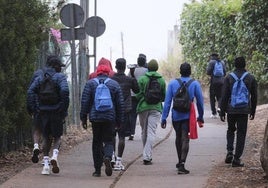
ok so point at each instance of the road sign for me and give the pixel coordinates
(95, 26)
(79, 34)
(72, 15)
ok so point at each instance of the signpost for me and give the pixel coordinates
(72, 15)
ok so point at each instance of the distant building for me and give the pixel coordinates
(174, 47)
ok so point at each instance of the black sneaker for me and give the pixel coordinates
(182, 170)
(229, 158)
(96, 174)
(147, 162)
(35, 157)
(131, 137)
(108, 167)
(237, 163)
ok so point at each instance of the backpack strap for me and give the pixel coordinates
(98, 80)
(235, 76)
(187, 83)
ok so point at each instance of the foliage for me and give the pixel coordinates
(252, 33)
(230, 28)
(170, 68)
(209, 27)
(22, 27)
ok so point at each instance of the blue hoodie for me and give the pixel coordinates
(195, 91)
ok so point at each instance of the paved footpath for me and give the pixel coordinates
(77, 165)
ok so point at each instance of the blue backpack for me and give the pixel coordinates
(240, 94)
(103, 100)
(218, 69)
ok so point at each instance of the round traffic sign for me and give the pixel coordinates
(95, 26)
(72, 15)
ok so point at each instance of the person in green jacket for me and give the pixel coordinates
(149, 114)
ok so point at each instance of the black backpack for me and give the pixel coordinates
(48, 91)
(181, 100)
(153, 92)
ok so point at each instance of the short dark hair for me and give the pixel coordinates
(240, 62)
(54, 60)
(141, 60)
(185, 69)
(120, 64)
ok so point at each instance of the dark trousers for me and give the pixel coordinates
(215, 91)
(182, 139)
(133, 115)
(238, 123)
(102, 145)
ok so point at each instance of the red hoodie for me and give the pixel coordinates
(105, 62)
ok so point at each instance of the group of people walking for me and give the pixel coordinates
(142, 93)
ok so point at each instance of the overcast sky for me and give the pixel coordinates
(144, 24)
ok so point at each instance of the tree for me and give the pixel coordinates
(253, 37)
(209, 27)
(22, 27)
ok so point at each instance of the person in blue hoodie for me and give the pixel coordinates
(180, 121)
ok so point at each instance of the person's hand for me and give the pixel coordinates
(164, 124)
(84, 123)
(200, 124)
(251, 116)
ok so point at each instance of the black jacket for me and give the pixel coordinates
(227, 90)
(127, 84)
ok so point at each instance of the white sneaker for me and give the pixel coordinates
(46, 170)
(119, 166)
(213, 116)
(55, 165)
(113, 160)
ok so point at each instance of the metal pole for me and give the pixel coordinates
(95, 39)
(75, 101)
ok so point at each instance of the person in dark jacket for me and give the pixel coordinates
(103, 123)
(180, 120)
(237, 118)
(52, 116)
(134, 103)
(36, 128)
(216, 83)
(127, 84)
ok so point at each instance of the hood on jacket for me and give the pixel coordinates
(105, 62)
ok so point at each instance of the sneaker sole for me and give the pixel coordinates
(182, 172)
(108, 167)
(55, 167)
(45, 172)
(35, 157)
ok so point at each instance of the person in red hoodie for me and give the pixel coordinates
(106, 62)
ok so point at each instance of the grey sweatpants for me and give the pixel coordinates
(149, 121)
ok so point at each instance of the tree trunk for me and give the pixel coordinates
(264, 151)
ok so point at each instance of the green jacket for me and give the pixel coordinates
(143, 81)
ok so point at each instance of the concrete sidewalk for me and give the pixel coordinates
(77, 165)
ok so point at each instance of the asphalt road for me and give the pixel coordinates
(77, 165)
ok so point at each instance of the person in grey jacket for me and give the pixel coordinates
(237, 118)
(52, 116)
(103, 123)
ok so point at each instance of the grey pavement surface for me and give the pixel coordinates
(77, 165)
